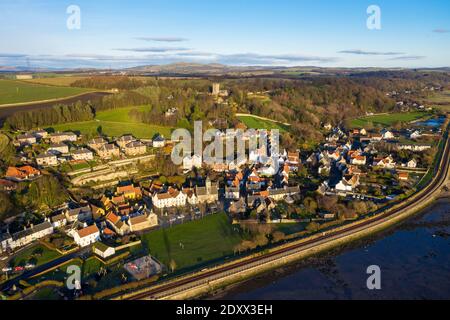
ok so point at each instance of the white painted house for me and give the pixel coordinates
(87, 236)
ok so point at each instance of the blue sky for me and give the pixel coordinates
(235, 32)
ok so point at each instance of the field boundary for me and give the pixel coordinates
(261, 118)
(21, 104)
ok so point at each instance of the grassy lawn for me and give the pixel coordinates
(18, 92)
(24, 256)
(116, 123)
(290, 228)
(210, 238)
(91, 266)
(388, 119)
(119, 115)
(255, 123)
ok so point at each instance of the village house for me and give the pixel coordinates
(26, 236)
(219, 167)
(159, 142)
(284, 175)
(96, 143)
(96, 211)
(59, 220)
(348, 184)
(58, 148)
(404, 176)
(416, 134)
(116, 223)
(359, 160)
(40, 134)
(124, 140)
(190, 196)
(387, 162)
(143, 222)
(387, 135)
(171, 198)
(129, 192)
(22, 173)
(46, 160)
(135, 148)
(86, 236)
(79, 214)
(207, 194)
(108, 151)
(238, 207)
(190, 162)
(278, 194)
(411, 163)
(103, 250)
(26, 139)
(82, 155)
(232, 192)
(63, 137)
(293, 160)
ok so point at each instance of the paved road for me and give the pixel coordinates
(195, 280)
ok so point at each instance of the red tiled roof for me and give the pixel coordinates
(88, 231)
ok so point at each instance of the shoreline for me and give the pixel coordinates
(290, 268)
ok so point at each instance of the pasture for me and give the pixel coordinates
(387, 120)
(253, 122)
(194, 243)
(12, 92)
(115, 123)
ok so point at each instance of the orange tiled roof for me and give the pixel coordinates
(112, 218)
(88, 231)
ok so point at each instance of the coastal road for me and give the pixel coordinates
(204, 278)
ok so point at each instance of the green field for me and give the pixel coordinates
(24, 256)
(440, 100)
(211, 238)
(115, 123)
(21, 92)
(256, 123)
(387, 119)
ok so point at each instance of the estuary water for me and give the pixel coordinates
(414, 259)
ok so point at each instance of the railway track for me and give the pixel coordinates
(195, 280)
